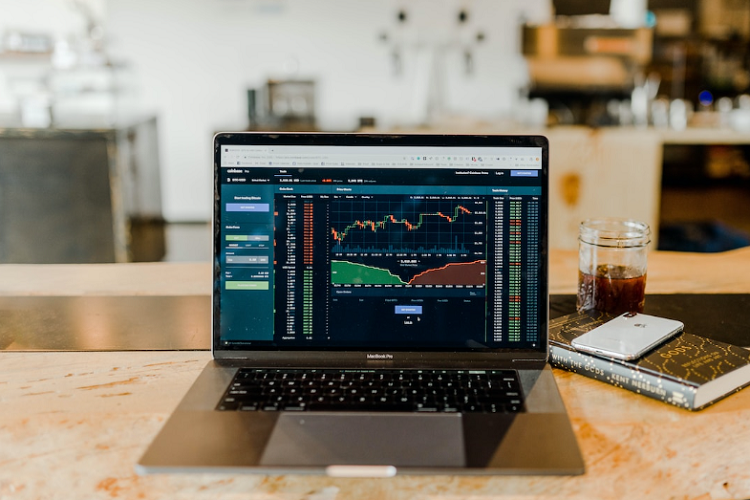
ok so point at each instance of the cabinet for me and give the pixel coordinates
(606, 172)
(83, 193)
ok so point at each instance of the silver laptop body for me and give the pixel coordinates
(376, 256)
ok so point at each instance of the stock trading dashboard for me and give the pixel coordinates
(395, 260)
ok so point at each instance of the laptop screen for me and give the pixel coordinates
(350, 242)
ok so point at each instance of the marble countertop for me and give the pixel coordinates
(72, 425)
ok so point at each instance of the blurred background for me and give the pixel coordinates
(108, 107)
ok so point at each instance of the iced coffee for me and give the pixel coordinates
(612, 259)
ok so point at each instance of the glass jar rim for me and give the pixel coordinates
(614, 232)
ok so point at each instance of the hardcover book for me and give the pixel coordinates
(688, 371)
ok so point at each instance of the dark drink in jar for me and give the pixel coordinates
(611, 290)
(612, 265)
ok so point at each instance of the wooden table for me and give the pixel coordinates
(72, 425)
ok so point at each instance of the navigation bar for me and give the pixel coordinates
(308, 189)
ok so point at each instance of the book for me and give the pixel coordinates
(688, 371)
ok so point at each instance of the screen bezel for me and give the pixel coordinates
(318, 357)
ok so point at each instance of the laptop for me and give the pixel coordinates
(380, 307)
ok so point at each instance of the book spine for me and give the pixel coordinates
(619, 375)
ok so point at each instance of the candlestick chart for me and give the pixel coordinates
(405, 241)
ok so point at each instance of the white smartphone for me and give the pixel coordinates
(627, 336)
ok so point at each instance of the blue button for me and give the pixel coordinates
(408, 309)
(247, 207)
(524, 173)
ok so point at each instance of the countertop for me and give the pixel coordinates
(73, 126)
(72, 425)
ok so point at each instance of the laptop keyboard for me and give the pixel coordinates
(486, 391)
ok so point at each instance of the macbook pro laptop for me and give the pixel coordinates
(380, 306)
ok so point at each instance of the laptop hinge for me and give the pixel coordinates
(529, 361)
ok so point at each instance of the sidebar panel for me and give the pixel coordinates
(247, 255)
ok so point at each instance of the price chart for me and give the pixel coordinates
(408, 241)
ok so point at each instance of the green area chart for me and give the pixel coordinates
(457, 273)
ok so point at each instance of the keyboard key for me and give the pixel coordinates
(390, 407)
(294, 407)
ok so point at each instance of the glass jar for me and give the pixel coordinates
(612, 258)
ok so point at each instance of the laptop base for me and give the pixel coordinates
(280, 443)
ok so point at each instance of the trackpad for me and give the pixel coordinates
(408, 440)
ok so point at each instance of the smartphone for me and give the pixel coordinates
(627, 336)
